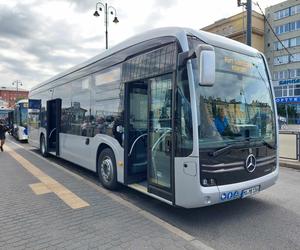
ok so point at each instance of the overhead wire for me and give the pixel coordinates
(271, 28)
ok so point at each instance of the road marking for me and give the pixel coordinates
(48, 183)
(173, 229)
(40, 188)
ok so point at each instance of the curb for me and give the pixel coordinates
(287, 164)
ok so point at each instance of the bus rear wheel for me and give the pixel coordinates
(43, 146)
(106, 168)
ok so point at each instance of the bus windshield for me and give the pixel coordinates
(238, 107)
(23, 114)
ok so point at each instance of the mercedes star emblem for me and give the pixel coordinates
(250, 164)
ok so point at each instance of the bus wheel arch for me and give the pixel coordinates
(106, 166)
(43, 145)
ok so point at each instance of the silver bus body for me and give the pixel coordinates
(187, 190)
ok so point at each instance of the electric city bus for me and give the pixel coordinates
(184, 116)
(17, 120)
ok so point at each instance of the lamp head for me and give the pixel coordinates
(96, 14)
(115, 20)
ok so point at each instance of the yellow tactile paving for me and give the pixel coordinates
(48, 184)
(40, 188)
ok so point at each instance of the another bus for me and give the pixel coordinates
(184, 116)
(4, 114)
(18, 120)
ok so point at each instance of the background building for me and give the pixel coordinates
(3, 104)
(11, 95)
(284, 18)
(235, 27)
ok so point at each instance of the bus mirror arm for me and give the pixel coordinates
(183, 57)
(205, 55)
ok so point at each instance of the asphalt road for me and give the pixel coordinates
(268, 220)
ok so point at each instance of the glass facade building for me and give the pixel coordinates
(284, 57)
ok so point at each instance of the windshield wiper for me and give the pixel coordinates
(248, 139)
(264, 142)
(268, 144)
(222, 150)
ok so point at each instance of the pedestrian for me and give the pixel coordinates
(3, 130)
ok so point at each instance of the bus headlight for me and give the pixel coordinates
(212, 182)
(209, 182)
(205, 182)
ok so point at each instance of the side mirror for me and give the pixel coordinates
(207, 64)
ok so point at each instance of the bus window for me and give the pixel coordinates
(183, 123)
(107, 108)
(81, 108)
(64, 93)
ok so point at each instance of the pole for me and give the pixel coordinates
(244, 33)
(106, 33)
(286, 114)
(249, 22)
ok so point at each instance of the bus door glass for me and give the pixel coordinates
(137, 131)
(34, 110)
(148, 134)
(23, 114)
(160, 134)
(53, 125)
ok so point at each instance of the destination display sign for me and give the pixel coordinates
(237, 65)
(34, 104)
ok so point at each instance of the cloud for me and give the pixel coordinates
(83, 6)
(16, 65)
(158, 12)
(4, 43)
(34, 48)
(152, 19)
(16, 23)
(40, 44)
(163, 4)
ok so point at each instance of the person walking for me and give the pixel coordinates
(3, 130)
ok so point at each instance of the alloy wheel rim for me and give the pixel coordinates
(106, 169)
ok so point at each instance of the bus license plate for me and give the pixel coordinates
(250, 191)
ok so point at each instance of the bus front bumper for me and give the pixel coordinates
(239, 190)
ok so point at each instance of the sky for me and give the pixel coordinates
(41, 38)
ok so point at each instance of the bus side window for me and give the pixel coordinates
(183, 120)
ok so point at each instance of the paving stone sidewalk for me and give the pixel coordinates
(29, 221)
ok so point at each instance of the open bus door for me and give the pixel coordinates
(148, 136)
(53, 125)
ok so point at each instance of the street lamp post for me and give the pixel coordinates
(107, 10)
(17, 83)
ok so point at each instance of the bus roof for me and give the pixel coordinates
(209, 38)
(22, 101)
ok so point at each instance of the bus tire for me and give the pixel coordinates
(43, 146)
(107, 170)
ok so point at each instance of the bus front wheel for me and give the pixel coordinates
(106, 168)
